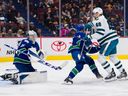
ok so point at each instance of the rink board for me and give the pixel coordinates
(54, 48)
(95, 57)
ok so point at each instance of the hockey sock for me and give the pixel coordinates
(107, 67)
(94, 70)
(116, 62)
(75, 70)
(119, 66)
(73, 73)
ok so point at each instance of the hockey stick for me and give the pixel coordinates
(40, 60)
(48, 64)
(82, 50)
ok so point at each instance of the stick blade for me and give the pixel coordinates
(63, 65)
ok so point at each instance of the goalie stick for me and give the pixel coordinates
(40, 60)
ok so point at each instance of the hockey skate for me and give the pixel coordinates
(99, 76)
(6, 76)
(68, 81)
(111, 76)
(122, 75)
(10, 77)
(14, 77)
(14, 80)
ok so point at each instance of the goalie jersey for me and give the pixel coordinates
(103, 33)
(22, 53)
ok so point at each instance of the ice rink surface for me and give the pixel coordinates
(85, 84)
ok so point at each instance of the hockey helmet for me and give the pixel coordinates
(32, 33)
(97, 10)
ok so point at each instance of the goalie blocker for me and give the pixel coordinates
(26, 77)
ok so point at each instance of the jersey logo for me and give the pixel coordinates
(22, 45)
(26, 41)
(79, 36)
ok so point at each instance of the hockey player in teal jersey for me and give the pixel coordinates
(80, 46)
(108, 40)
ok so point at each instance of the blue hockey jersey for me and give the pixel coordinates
(82, 42)
(22, 56)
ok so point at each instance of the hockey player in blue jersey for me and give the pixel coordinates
(22, 59)
(80, 46)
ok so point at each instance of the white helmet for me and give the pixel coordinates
(32, 33)
(97, 9)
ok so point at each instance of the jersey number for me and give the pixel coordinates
(98, 24)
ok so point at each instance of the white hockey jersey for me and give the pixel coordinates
(103, 33)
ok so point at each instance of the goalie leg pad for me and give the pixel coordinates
(25, 77)
(32, 77)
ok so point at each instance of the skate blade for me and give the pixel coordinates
(110, 80)
(123, 79)
(64, 83)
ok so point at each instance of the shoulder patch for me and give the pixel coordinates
(22, 45)
(26, 41)
(79, 36)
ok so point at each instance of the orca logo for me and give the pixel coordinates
(58, 46)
